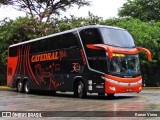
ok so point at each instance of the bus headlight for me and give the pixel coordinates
(122, 83)
(140, 81)
(140, 88)
(112, 88)
(110, 80)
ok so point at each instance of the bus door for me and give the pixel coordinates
(97, 59)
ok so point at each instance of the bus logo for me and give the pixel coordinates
(76, 67)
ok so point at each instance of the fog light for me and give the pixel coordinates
(112, 88)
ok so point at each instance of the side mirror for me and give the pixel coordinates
(110, 50)
(146, 51)
(101, 47)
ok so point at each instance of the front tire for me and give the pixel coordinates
(81, 90)
(110, 95)
(27, 88)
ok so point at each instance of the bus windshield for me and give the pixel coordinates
(117, 37)
(127, 65)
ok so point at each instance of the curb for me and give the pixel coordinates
(5, 88)
(147, 88)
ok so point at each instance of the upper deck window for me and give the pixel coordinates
(69, 40)
(90, 36)
(117, 37)
(13, 51)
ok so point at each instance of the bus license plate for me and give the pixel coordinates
(129, 90)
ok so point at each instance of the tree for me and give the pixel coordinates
(145, 10)
(5, 2)
(44, 9)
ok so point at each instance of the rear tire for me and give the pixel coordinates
(27, 88)
(19, 86)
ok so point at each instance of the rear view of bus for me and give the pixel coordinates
(112, 55)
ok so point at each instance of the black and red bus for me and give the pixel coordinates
(94, 59)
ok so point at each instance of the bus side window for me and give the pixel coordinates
(91, 36)
(12, 51)
(54, 43)
(69, 41)
(34, 47)
(43, 47)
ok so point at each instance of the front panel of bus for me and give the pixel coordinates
(117, 74)
(123, 74)
(123, 68)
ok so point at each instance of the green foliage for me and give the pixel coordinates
(145, 10)
(5, 2)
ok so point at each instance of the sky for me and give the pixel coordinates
(102, 8)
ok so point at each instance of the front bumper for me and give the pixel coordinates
(122, 85)
(113, 88)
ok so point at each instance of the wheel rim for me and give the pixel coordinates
(80, 89)
(19, 86)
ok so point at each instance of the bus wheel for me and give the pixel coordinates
(20, 86)
(27, 87)
(81, 90)
(110, 95)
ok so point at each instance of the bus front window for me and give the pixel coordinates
(125, 65)
(117, 37)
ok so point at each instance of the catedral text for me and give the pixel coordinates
(48, 56)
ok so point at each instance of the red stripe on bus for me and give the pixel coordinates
(26, 64)
(31, 68)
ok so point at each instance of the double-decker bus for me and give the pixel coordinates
(94, 59)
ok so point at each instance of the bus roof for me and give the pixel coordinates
(67, 31)
(99, 26)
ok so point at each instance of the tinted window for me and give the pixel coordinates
(35, 47)
(12, 51)
(117, 37)
(97, 60)
(42, 45)
(54, 43)
(90, 36)
(69, 40)
(47, 44)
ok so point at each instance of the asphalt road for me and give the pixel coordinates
(147, 100)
